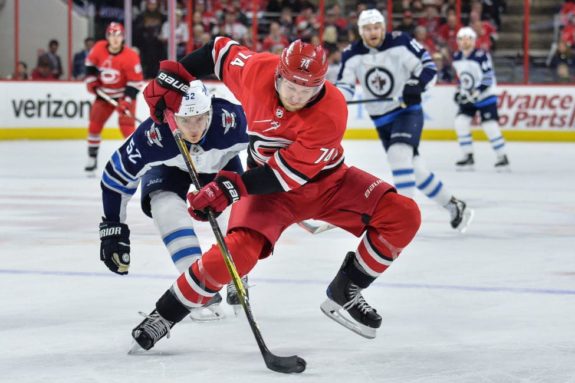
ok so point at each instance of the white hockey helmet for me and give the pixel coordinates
(370, 16)
(196, 101)
(466, 32)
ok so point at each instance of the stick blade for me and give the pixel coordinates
(285, 364)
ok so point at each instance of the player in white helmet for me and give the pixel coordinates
(393, 66)
(215, 131)
(476, 93)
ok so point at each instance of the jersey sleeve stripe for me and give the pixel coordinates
(119, 168)
(282, 182)
(219, 55)
(113, 185)
(288, 171)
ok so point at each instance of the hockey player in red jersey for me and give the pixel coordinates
(115, 70)
(296, 122)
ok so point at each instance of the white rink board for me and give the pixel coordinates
(37, 105)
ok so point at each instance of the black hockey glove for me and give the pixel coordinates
(412, 92)
(115, 246)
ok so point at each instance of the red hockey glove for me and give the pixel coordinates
(124, 106)
(92, 83)
(224, 190)
(167, 89)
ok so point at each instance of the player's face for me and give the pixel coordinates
(115, 41)
(294, 96)
(465, 43)
(193, 127)
(372, 34)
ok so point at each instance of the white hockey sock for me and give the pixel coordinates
(463, 129)
(430, 184)
(493, 132)
(176, 228)
(400, 157)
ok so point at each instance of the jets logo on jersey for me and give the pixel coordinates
(154, 136)
(467, 81)
(228, 120)
(379, 81)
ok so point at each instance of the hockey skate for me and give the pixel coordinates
(466, 163)
(461, 215)
(347, 306)
(233, 298)
(502, 164)
(210, 311)
(91, 165)
(150, 331)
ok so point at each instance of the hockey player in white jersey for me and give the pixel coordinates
(393, 65)
(476, 92)
(215, 131)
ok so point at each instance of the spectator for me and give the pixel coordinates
(444, 72)
(423, 38)
(53, 59)
(407, 25)
(181, 34)
(567, 11)
(430, 19)
(43, 70)
(21, 72)
(275, 38)
(447, 33)
(78, 67)
(147, 30)
(486, 32)
(233, 28)
(492, 10)
(307, 23)
(568, 33)
(287, 24)
(562, 61)
(333, 60)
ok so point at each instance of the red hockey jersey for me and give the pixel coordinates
(116, 71)
(296, 145)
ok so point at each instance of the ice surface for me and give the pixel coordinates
(496, 304)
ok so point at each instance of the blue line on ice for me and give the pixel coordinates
(490, 289)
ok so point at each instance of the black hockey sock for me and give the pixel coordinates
(93, 151)
(170, 308)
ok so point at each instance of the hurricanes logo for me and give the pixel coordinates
(279, 112)
(228, 120)
(467, 81)
(379, 81)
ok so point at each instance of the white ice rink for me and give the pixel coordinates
(494, 305)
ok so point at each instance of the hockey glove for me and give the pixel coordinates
(124, 106)
(224, 190)
(92, 83)
(167, 89)
(115, 246)
(412, 92)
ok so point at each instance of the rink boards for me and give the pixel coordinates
(60, 110)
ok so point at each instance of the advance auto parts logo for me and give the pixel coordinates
(528, 109)
(49, 107)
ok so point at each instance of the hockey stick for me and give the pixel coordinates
(315, 229)
(285, 364)
(114, 103)
(383, 99)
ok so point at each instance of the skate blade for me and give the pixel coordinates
(237, 310)
(207, 314)
(468, 215)
(465, 168)
(135, 348)
(338, 314)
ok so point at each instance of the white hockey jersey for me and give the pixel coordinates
(475, 74)
(383, 71)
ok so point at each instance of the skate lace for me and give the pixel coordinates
(232, 286)
(357, 300)
(156, 326)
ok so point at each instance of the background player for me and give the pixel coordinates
(114, 69)
(296, 171)
(215, 130)
(476, 92)
(392, 65)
